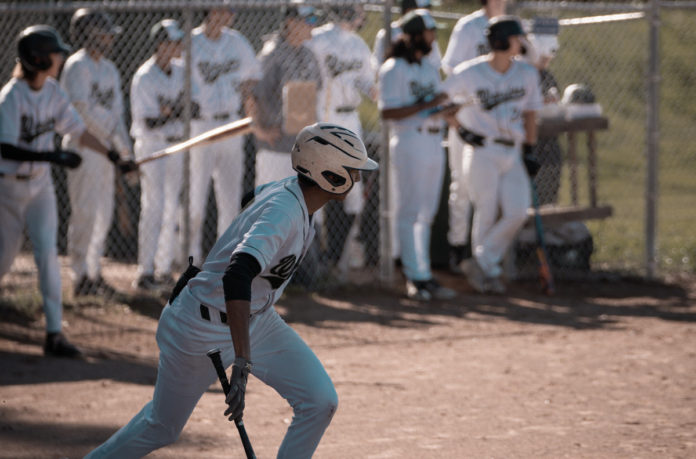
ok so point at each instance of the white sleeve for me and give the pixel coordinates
(455, 85)
(267, 235)
(391, 90)
(535, 101)
(68, 121)
(365, 80)
(454, 47)
(379, 49)
(250, 64)
(9, 118)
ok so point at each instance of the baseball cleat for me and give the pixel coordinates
(57, 345)
(417, 290)
(438, 291)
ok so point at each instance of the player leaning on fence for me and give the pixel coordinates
(33, 107)
(229, 305)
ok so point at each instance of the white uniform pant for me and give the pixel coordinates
(418, 168)
(223, 162)
(280, 359)
(458, 200)
(497, 180)
(91, 190)
(272, 165)
(33, 203)
(160, 185)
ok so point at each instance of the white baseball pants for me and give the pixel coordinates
(91, 190)
(497, 180)
(33, 203)
(418, 168)
(280, 359)
(224, 163)
(160, 185)
(458, 199)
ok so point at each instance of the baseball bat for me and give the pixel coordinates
(214, 355)
(234, 128)
(545, 275)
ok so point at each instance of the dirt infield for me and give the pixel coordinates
(602, 370)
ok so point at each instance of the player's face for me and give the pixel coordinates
(57, 60)
(429, 36)
(355, 175)
(102, 43)
(170, 49)
(515, 45)
(221, 17)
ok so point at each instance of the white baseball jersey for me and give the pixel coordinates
(276, 229)
(500, 97)
(402, 84)
(380, 48)
(29, 119)
(467, 41)
(94, 88)
(218, 69)
(152, 88)
(346, 68)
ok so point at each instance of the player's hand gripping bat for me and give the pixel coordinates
(214, 355)
(545, 275)
(214, 135)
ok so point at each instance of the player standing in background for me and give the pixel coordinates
(381, 47)
(501, 126)
(243, 276)
(224, 69)
(33, 107)
(284, 60)
(346, 70)
(94, 86)
(467, 41)
(409, 85)
(157, 110)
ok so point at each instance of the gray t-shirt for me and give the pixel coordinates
(282, 64)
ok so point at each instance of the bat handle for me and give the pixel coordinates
(214, 356)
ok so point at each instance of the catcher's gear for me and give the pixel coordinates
(500, 29)
(64, 158)
(578, 93)
(417, 21)
(86, 22)
(325, 154)
(238, 381)
(35, 45)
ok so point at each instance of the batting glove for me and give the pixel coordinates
(531, 163)
(238, 381)
(65, 158)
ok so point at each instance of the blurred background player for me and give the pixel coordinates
(467, 41)
(94, 86)
(502, 123)
(229, 304)
(409, 85)
(33, 107)
(381, 47)
(157, 109)
(347, 74)
(224, 69)
(284, 60)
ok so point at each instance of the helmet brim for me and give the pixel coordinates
(370, 165)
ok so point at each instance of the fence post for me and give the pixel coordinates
(386, 264)
(653, 138)
(186, 229)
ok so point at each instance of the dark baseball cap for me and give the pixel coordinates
(302, 11)
(43, 39)
(417, 21)
(407, 5)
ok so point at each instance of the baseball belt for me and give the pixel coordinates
(221, 116)
(430, 130)
(345, 109)
(478, 140)
(21, 177)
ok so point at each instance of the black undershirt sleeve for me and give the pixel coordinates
(16, 153)
(236, 282)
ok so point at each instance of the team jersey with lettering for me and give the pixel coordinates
(151, 89)
(402, 84)
(381, 48)
(30, 118)
(500, 98)
(218, 69)
(97, 86)
(276, 229)
(467, 41)
(344, 60)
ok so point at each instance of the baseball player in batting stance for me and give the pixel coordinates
(157, 109)
(33, 107)
(347, 74)
(498, 132)
(243, 276)
(94, 86)
(224, 68)
(409, 85)
(467, 41)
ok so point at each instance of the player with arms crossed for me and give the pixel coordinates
(498, 131)
(33, 107)
(243, 276)
(467, 41)
(224, 68)
(409, 85)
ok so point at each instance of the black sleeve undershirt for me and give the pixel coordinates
(236, 282)
(15, 153)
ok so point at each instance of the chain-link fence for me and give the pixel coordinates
(611, 57)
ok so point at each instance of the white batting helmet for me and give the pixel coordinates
(325, 153)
